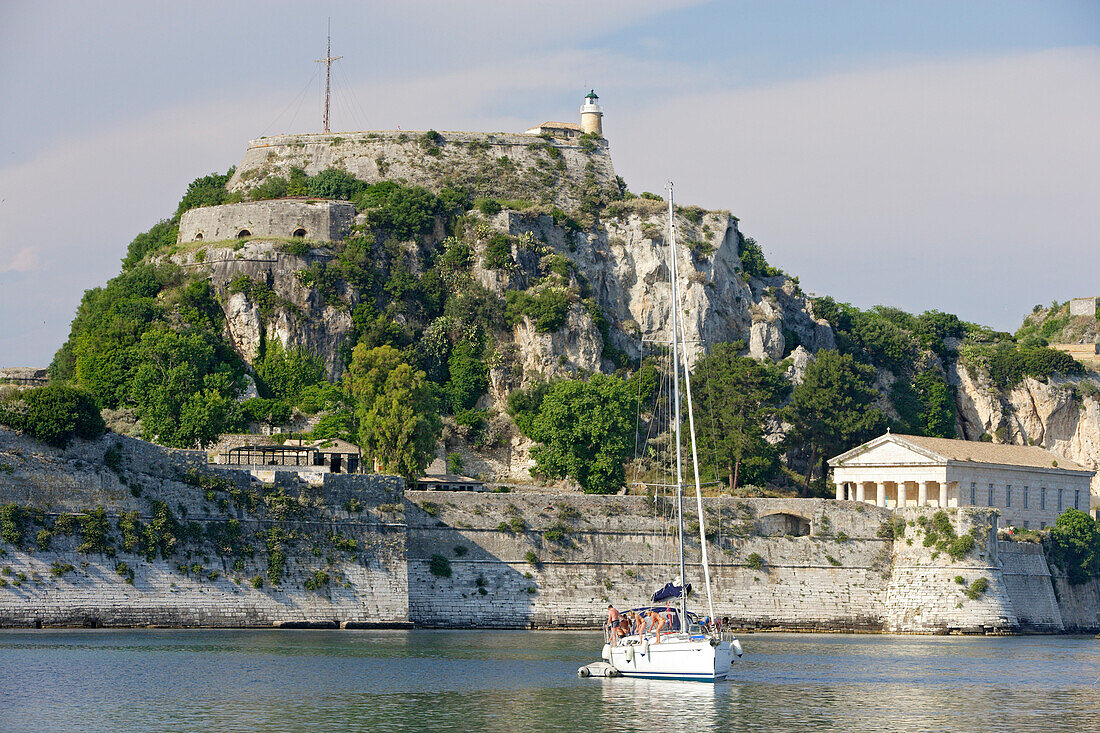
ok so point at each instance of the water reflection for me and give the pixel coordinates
(658, 703)
(526, 681)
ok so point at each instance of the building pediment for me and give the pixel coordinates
(888, 450)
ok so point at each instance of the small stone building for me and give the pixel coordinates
(1028, 485)
(448, 482)
(287, 218)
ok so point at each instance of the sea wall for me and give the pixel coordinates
(183, 544)
(533, 560)
(1028, 580)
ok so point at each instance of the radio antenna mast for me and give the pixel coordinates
(327, 61)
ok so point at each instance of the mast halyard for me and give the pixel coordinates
(676, 405)
(327, 61)
(698, 483)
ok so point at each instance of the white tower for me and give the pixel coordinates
(592, 115)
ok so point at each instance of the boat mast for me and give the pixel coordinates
(698, 483)
(676, 407)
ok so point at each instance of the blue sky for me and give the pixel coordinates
(924, 155)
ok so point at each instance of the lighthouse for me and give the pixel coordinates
(592, 115)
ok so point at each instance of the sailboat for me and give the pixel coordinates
(688, 646)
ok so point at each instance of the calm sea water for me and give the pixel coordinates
(102, 680)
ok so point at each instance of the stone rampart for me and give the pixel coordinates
(534, 560)
(495, 165)
(358, 550)
(313, 220)
(337, 550)
(927, 589)
(1028, 581)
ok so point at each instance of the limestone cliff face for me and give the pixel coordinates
(625, 263)
(1058, 416)
(299, 316)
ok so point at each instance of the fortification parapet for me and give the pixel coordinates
(492, 165)
(315, 220)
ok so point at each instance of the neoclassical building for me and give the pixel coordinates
(1029, 485)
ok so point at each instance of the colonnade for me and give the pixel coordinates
(928, 493)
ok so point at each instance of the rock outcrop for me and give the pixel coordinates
(1062, 416)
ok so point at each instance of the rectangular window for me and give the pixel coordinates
(1059, 501)
(1042, 497)
(1076, 498)
(1025, 524)
(973, 493)
(990, 495)
(1025, 497)
(1042, 525)
(1008, 495)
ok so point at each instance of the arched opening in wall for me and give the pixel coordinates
(298, 233)
(244, 234)
(783, 524)
(198, 237)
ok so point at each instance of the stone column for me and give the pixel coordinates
(880, 496)
(922, 493)
(902, 498)
(859, 491)
(840, 492)
(943, 494)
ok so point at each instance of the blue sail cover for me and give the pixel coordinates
(671, 590)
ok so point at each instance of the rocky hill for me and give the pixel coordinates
(528, 252)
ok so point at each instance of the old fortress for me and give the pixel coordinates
(557, 158)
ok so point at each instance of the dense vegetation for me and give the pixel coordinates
(54, 414)
(1075, 545)
(735, 398)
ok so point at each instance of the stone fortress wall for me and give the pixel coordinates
(513, 560)
(496, 165)
(367, 587)
(318, 221)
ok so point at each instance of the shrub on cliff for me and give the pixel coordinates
(548, 307)
(469, 376)
(1075, 546)
(752, 258)
(54, 414)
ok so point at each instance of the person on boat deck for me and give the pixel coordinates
(640, 623)
(657, 622)
(614, 624)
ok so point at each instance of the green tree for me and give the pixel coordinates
(585, 431)
(1075, 545)
(206, 191)
(179, 388)
(285, 373)
(469, 376)
(733, 396)
(54, 414)
(832, 409)
(397, 410)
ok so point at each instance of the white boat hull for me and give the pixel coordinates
(677, 657)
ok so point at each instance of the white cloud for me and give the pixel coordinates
(25, 260)
(968, 185)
